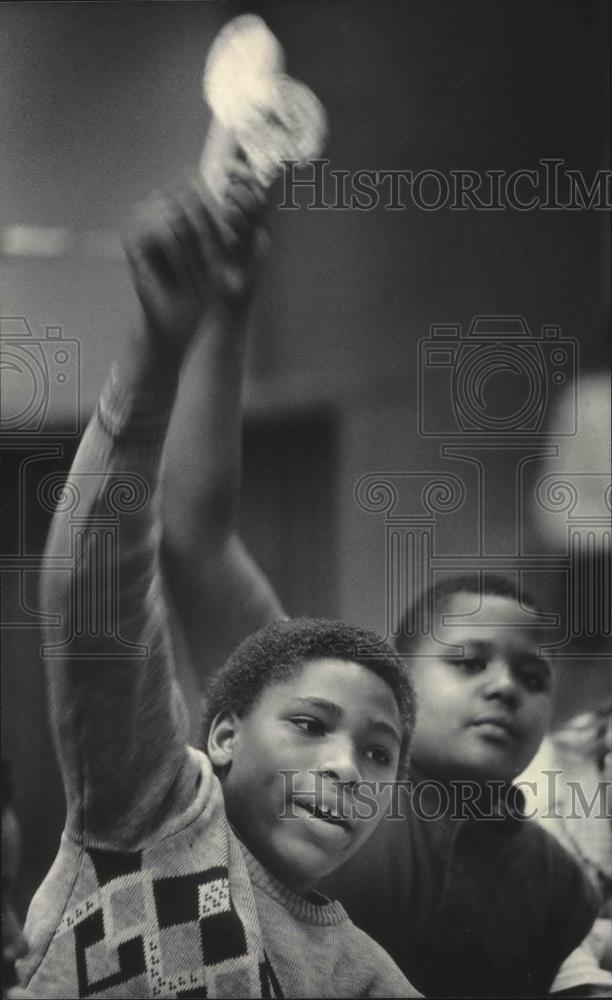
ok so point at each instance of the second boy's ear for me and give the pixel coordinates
(222, 737)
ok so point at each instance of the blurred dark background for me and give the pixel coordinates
(102, 102)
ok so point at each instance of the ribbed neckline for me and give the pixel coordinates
(326, 913)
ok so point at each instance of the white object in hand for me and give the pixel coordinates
(269, 115)
(240, 69)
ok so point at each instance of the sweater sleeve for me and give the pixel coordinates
(117, 713)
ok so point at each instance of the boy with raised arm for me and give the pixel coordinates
(184, 873)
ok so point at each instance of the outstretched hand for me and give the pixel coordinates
(189, 252)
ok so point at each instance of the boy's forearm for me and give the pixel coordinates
(219, 593)
(148, 366)
(203, 460)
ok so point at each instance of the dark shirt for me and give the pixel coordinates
(467, 906)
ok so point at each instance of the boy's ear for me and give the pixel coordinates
(222, 737)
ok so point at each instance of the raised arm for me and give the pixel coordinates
(118, 715)
(220, 594)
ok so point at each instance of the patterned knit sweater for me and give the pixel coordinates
(151, 893)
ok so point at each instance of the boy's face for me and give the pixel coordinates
(481, 711)
(332, 717)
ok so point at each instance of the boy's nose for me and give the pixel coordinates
(340, 762)
(501, 682)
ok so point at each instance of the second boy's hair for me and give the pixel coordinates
(276, 652)
(418, 619)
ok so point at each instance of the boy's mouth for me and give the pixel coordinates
(326, 815)
(496, 724)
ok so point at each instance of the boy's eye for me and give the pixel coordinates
(534, 678)
(309, 725)
(469, 664)
(379, 755)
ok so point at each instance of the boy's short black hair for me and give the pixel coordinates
(418, 619)
(273, 655)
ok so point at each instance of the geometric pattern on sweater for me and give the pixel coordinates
(174, 936)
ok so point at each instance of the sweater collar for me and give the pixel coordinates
(316, 909)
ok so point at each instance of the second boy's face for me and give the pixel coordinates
(333, 722)
(483, 706)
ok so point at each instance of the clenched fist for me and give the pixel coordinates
(189, 252)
